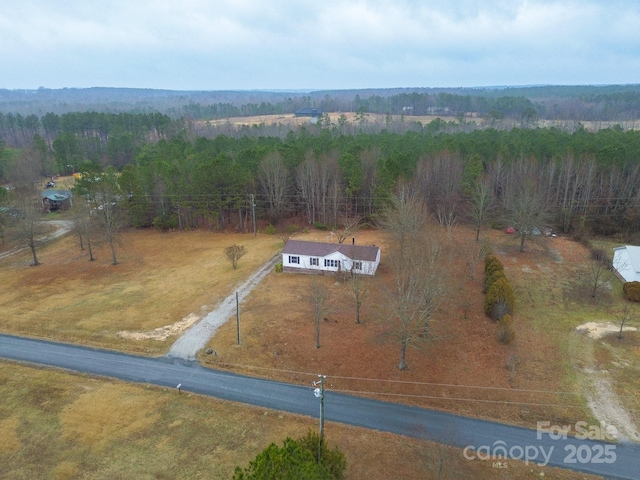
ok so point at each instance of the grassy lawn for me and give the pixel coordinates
(161, 279)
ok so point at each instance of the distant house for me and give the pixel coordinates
(316, 257)
(309, 112)
(56, 200)
(626, 261)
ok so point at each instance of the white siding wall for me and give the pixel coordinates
(305, 262)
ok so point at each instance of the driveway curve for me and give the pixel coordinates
(62, 228)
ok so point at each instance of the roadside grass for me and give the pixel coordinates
(161, 278)
(56, 425)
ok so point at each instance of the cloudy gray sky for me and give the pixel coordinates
(319, 44)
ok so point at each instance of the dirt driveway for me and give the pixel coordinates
(196, 337)
(62, 228)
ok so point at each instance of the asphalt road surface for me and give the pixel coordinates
(481, 440)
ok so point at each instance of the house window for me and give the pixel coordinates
(293, 259)
(314, 262)
(357, 265)
(331, 263)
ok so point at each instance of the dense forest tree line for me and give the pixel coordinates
(65, 141)
(585, 180)
(582, 103)
(18, 131)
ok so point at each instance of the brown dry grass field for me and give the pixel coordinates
(377, 118)
(165, 277)
(161, 279)
(291, 119)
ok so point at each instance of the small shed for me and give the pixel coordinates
(626, 261)
(300, 256)
(56, 200)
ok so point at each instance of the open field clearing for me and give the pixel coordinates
(351, 117)
(61, 426)
(162, 279)
(377, 118)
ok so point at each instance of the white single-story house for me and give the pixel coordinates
(626, 261)
(316, 257)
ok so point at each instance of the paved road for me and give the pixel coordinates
(195, 338)
(487, 438)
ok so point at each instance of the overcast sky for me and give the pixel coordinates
(319, 44)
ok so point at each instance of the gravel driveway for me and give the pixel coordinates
(196, 337)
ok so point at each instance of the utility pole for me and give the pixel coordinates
(238, 317)
(253, 215)
(319, 393)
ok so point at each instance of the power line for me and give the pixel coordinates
(429, 384)
(432, 397)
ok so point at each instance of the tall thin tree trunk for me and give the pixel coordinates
(32, 245)
(113, 252)
(91, 257)
(403, 353)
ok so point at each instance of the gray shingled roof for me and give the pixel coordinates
(319, 249)
(57, 195)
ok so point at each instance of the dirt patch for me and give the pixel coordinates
(162, 333)
(597, 330)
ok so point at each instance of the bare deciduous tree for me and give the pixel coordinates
(25, 176)
(350, 225)
(440, 178)
(526, 210)
(474, 252)
(440, 460)
(235, 253)
(29, 224)
(318, 181)
(359, 288)
(417, 285)
(480, 206)
(599, 272)
(83, 226)
(273, 178)
(625, 316)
